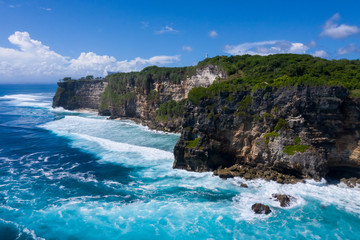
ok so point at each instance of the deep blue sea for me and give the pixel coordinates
(71, 175)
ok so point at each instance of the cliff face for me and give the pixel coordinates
(297, 131)
(141, 102)
(79, 94)
(276, 132)
(124, 96)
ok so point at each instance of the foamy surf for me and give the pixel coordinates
(28, 100)
(146, 152)
(160, 162)
(114, 180)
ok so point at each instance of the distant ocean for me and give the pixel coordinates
(70, 175)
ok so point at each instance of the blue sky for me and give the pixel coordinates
(42, 41)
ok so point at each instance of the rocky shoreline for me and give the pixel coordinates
(285, 134)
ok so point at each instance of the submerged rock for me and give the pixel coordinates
(244, 185)
(285, 200)
(260, 208)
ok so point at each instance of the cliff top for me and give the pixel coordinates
(258, 72)
(253, 72)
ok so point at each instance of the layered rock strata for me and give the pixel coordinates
(284, 134)
(73, 95)
(139, 105)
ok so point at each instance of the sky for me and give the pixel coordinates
(47, 40)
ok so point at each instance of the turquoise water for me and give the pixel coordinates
(70, 175)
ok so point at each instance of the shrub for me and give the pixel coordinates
(245, 102)
(193, 143)
(282, 123)
(269, 135)
(196, 94)
(170, 110)
(291, 149)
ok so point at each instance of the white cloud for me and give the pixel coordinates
(46, 9)
(266, 48)
(213, 34)
(320, 53)
(34, 60)
(187, 48)
(334, 30)
(312, 43)
(166, 29)
(351, 48)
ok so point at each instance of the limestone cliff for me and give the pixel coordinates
(79, 94)
(137, 95)
(294, 131)
(282, 117)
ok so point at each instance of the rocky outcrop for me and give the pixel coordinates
(73, 95)
(260, 208)
(285, 200)
(204, 77)
(282, 134)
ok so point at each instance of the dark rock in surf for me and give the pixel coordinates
(285, 200)
(259, 208)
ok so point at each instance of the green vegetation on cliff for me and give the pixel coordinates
(281, 124)
(291, 149)
(144, 79)
(124, 87)
(254, 72)
(170, 110)
(193, 143)
(110, 97)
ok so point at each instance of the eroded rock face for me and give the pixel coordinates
(204, 77)
(295, 131)
(259, 208)
(73, 95)
(87, 94)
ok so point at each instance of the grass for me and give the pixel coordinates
(193, 143)
(291, 149)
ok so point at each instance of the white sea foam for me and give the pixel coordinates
(261, 191)
(28, 100)
(146, 152)
(145, 128)
(110, 140)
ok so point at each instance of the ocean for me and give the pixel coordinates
(72, 175)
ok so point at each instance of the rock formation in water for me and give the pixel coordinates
(260, 208)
